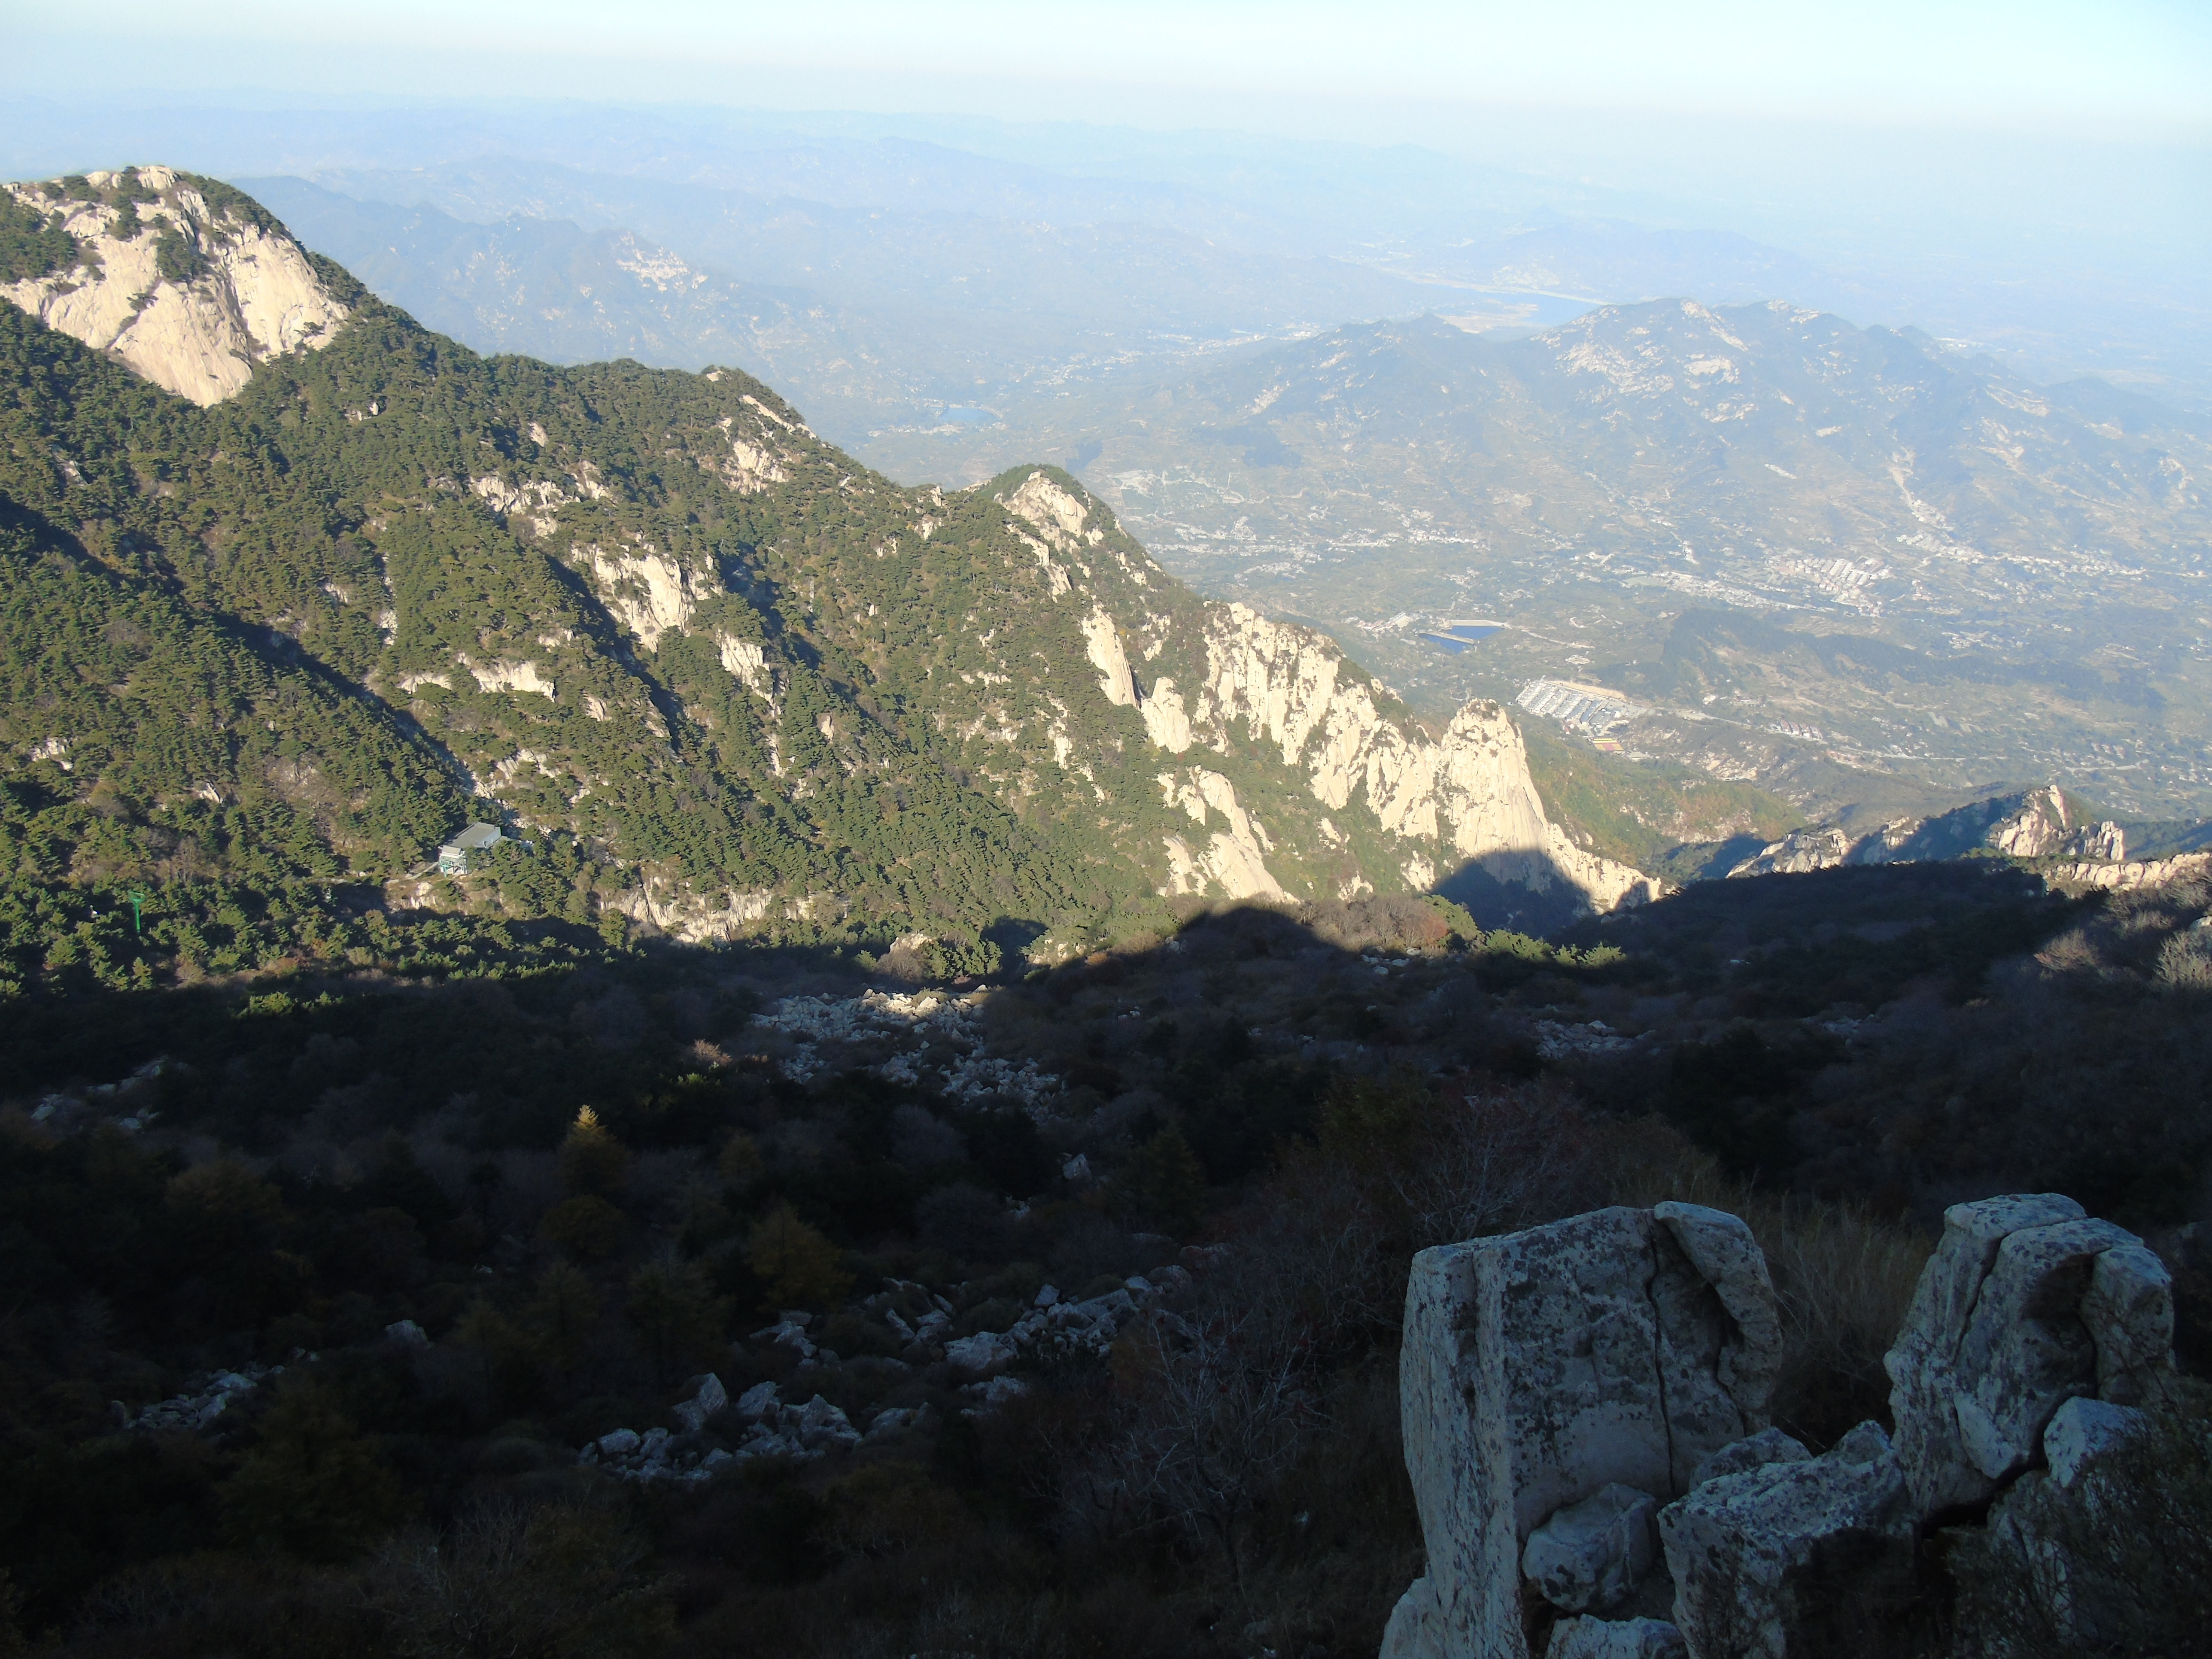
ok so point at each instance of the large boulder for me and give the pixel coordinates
(1794, 1557)
(704, 1398)
(1754, 1452)
(2025, 1303)
(1591, 1555)
(2044, 1563)
(1620, 1347)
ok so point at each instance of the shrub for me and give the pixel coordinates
(1165, 1183)
(563, 1582)
(2119, 1565)
(313, 1486)
(800, 1267)
(676, 1311)
(588, 1228)
(964, 1221)
(592, 1160)
(740, 1163)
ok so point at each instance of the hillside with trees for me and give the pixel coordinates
(731, 682)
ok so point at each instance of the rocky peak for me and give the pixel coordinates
(2037, 823)
(184, 280)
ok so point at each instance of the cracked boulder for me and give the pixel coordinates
(1591, 1555)
(1623, 1347)
(1792, 1558)
(2026, 1305)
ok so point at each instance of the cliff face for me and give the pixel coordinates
(190, 293)
(1466, 795)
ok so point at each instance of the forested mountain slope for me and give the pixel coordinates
(731, 680)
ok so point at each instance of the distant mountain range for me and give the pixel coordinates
(882, 318)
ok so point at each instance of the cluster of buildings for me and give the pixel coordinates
(1591, 708)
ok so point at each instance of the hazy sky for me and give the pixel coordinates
(1377, 72)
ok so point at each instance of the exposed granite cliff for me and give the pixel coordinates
(1466, 794)
(189, 292)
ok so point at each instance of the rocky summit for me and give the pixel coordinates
(182, 278)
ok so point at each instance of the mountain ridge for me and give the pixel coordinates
(752, 689)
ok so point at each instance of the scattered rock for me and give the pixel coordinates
(1557, 1041)
(197, 1409)
(888, 1421)
(758, 1401)
(983, 1354)
(408, 1334)
(990, 1396)
(821, 1425)
(788, 1334)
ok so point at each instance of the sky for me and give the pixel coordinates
(1377, 72)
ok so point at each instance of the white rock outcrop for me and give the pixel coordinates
(1462, 796)
(744, 659)
(1469, 791)
(2026, 1305)
(506, 675)
(646, 590)
(1540, 1369)
(2037, 824)
(1103, 643)
(1167, 722)
(1235, 858)
(1060, 518)
(253, 294)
